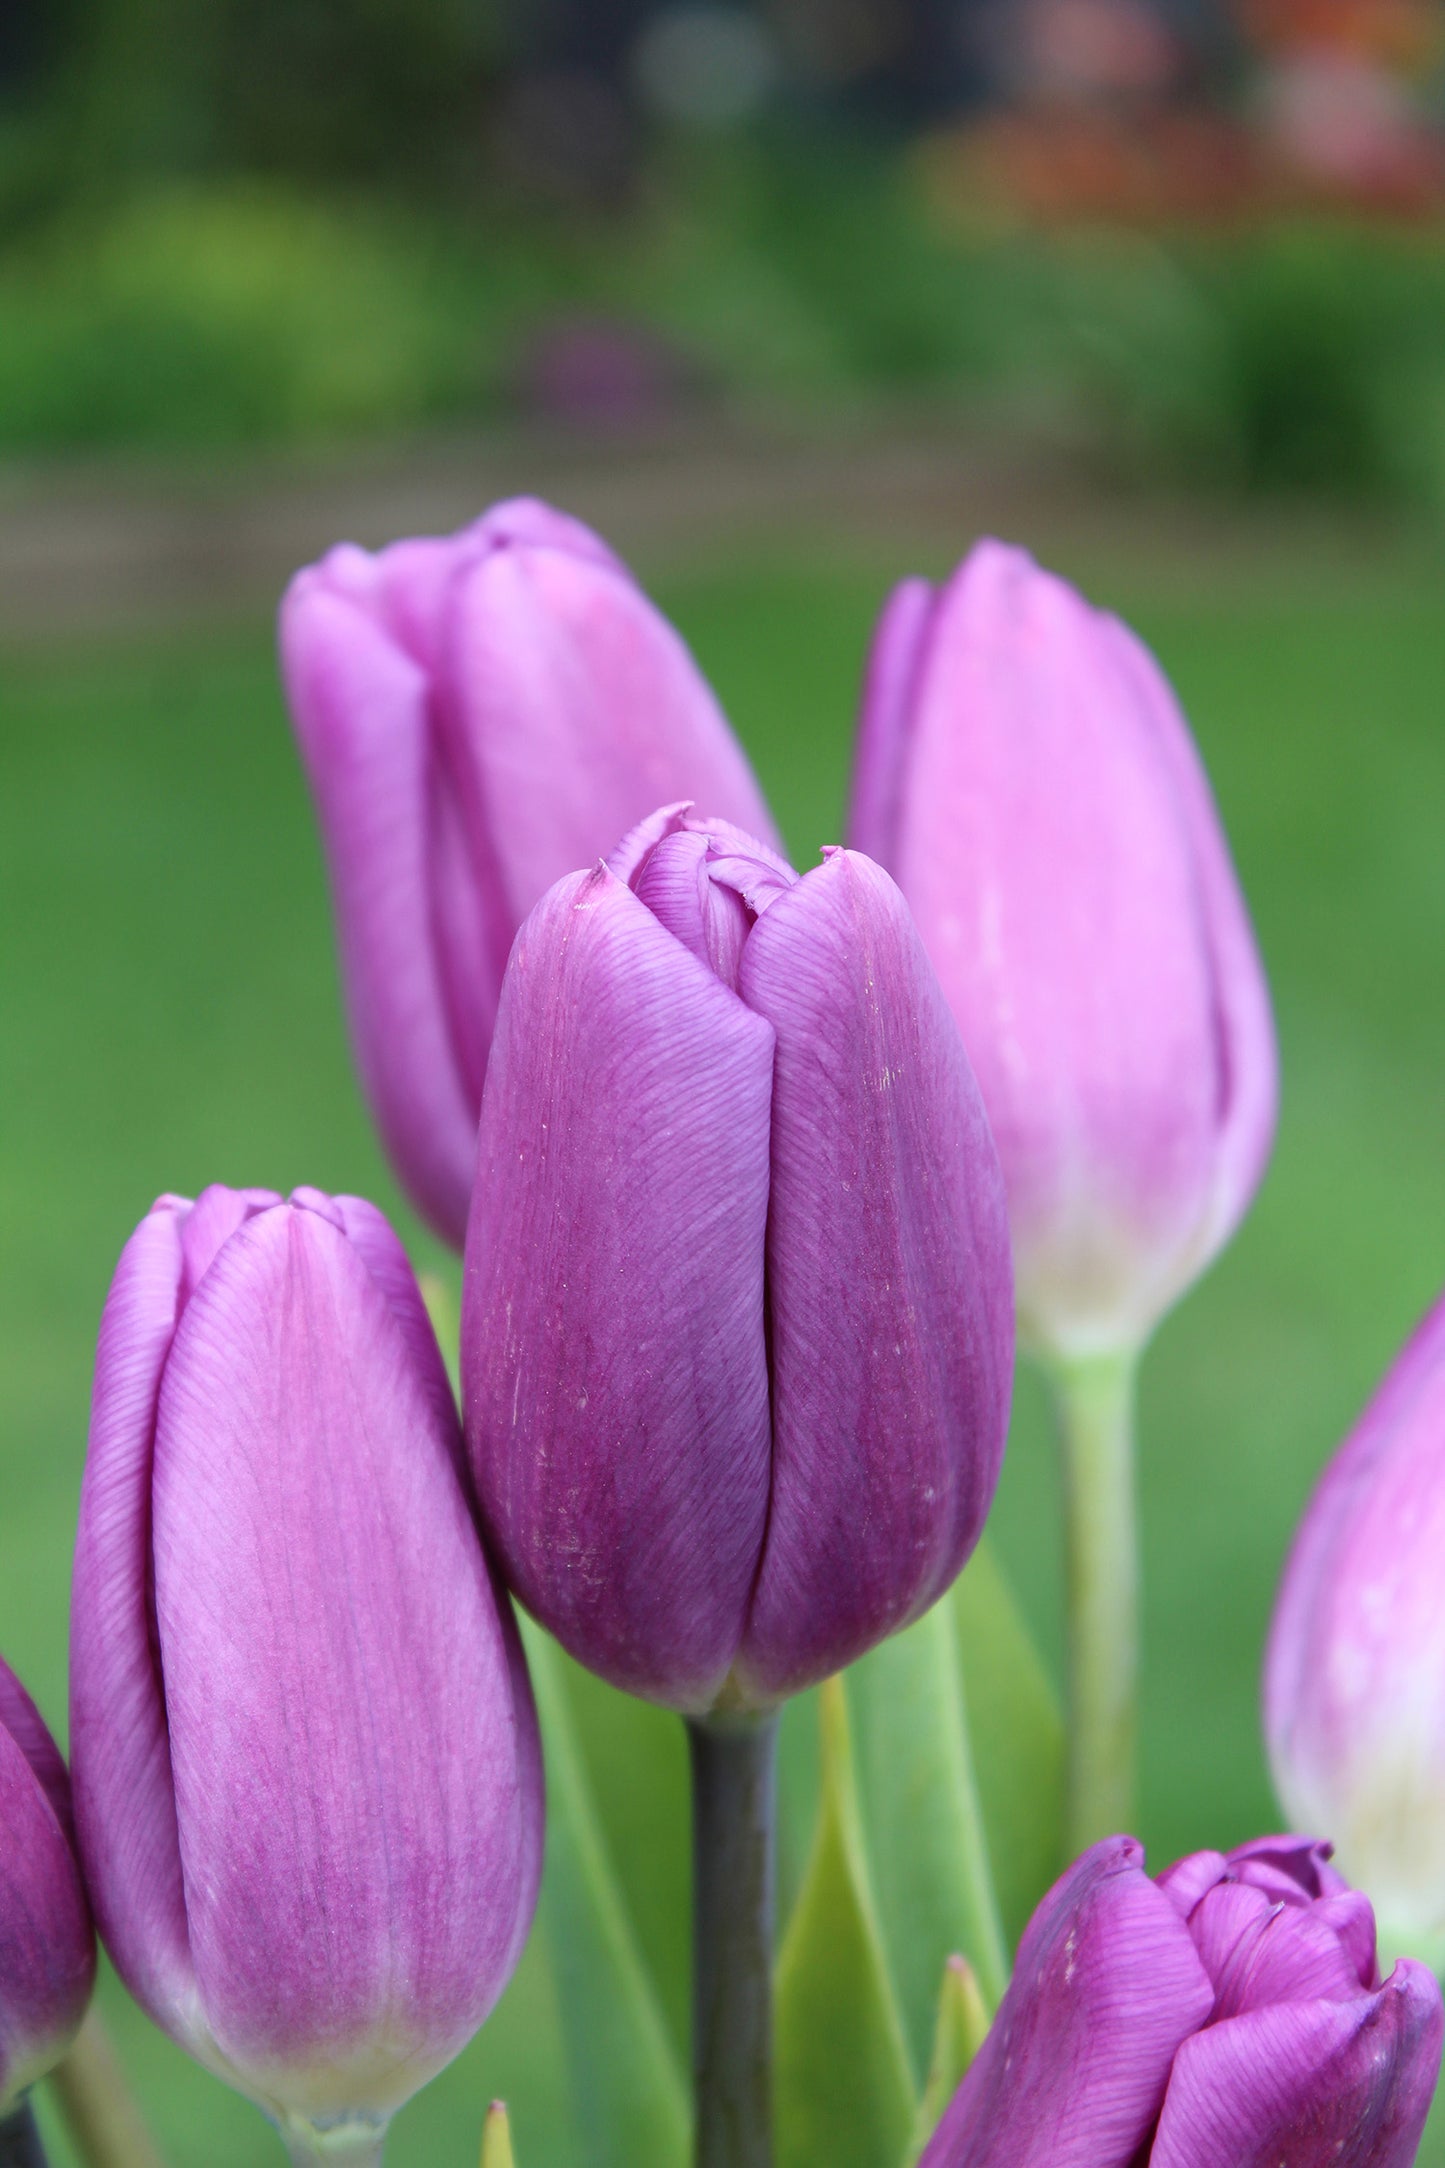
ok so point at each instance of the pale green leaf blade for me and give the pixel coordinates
(958, 2034)
(927, 1846)
(1017, 1735)
(631, 2100)
(844, 2090)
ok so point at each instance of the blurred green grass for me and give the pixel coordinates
(172, 1019)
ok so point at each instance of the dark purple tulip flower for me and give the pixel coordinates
(47, 1945)
(307, 1786)
(736, 1327)
(478, 714)
(1228, 2015)
(1025, 773)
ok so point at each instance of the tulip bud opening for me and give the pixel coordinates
(1230, 2011)
(737, 1315)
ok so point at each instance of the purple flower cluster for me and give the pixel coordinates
(746, 1163)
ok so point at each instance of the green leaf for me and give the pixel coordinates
(635, 1756)
(1017, 1735)
(958, 2034)
(844, 2091)
(631, 2101)
(927, 1845)
(497, 2137)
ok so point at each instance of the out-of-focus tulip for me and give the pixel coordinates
(1354, 1691)
(1229, 2015)
(1025, 773)
(307, 1787)
(478, 715)
(736, 1328)
(47, 1947)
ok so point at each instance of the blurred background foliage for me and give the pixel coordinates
(1197, 240)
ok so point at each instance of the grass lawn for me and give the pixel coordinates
(172, 1019)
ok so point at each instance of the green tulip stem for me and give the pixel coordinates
(96, 2104)
(20, 2145)
(734, 1823)
(1095, 1399)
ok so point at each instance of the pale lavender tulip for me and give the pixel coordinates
(1354, 1690)
(1229, 2015)
(478, 715)
(47, 1946)
(1025, 773)
(307, 1787)
(736, 1330)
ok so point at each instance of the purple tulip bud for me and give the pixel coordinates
(1229, 2015)
(1025, 773)
(307, 1785)
(478, 715)
(737, 1325)
(1354, 1689)
(47, 1946)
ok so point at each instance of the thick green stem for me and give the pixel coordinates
(733, 1822)
(20, 2145)
(1096, 1422)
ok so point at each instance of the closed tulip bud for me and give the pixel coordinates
(1229, 2015)
(1354, 1688)
(307, 1786)
(47, 1946)
(736, 1327)
(478, 715)
(1025, 773)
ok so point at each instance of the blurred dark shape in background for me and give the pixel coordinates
(1191, 239)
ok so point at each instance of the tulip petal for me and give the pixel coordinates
(344, 1736)
(1073, 2070)
(707, 917)
(120, 1755)
(206, 1224)
(890, 682)
(1289, 1955)
(379, 1247)
(613, 1362)
(889, 1292)
(1308, 2084)
(27, 1727)
(47, 1948)
(1353, 1707)
(1084, 947)
(1296, 1869)
(571, 708)
(1190, 1879)
(361, 706)
(1230, 1915)
(531, 522)
(1248, 1062)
